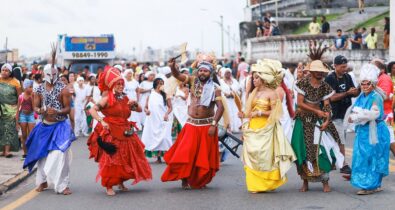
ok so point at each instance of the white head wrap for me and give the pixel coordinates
(127, 71)
(369, 72)
(148, 73)
(80, 79)
(118, 67)
(7, 66)
(224, 70)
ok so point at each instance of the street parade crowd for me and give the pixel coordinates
(286, 116)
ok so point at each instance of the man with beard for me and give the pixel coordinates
(49, 142)
(194, 156)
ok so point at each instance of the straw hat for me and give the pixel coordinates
(317, 66)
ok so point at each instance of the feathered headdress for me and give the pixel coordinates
(315, 54)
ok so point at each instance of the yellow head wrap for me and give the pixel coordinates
(269, 71)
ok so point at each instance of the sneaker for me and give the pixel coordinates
(345, 170)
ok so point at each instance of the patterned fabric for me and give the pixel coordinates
(52, 98)
(370, 161)
(8, 101)
(306, 125)
(312, 94)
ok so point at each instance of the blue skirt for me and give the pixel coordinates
(45, 138)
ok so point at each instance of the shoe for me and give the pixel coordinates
(345, 170)
(9, 156)
(23, 157)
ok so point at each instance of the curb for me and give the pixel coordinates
(14, 181)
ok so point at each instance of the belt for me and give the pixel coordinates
(203, 121)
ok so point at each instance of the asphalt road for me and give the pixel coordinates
(226, 191)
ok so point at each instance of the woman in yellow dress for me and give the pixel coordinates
(267, 155)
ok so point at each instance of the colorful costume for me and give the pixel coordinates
(317, 151)
(8, 109)
(129, 161)
(49, 143)
(267, 154)
(370, 158)
(195, 156)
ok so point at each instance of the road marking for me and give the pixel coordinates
(22, 200)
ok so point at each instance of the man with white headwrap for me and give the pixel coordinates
(231, 90)
(370, 159)
(80, 100)
(49, 142)
(144, 91)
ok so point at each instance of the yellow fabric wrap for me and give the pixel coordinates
(267, 155)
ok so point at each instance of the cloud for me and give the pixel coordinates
(137, 24)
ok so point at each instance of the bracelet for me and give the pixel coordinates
(214, 123)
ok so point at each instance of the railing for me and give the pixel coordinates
(292, 49)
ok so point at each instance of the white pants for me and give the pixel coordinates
(80, 124)
(55, 169)
(340, 130)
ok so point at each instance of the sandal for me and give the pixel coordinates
(365, 192)
(378, 189)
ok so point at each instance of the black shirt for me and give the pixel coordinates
(387, 28)
(356, 45)
(340, 85)
(325, 28)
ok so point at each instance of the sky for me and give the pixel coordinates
(31, 25)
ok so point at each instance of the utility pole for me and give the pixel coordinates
(6, 50)
(222, 35)
(229, 50)
(392, 31)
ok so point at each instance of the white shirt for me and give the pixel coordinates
(130, 89)
(80, 95)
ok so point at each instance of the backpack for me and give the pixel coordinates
(276, 31)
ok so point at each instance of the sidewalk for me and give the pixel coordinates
(11, 172)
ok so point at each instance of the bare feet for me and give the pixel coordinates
(326, 187)
(110, 192)
(42, 187)
(185, 184)
(66, 191)
(305, 186)
(123, 188)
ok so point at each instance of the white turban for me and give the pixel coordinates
(80, 79)
(148, 73)
(224, 70)
(369, 72)
(127, 71)
(118, 67)
(7, 66)
(166, 70)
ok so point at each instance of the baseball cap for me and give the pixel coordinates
(340, 60)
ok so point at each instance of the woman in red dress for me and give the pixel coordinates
(114, 144)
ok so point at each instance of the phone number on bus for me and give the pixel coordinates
(89, 54)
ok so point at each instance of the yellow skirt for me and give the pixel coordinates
(262, 181)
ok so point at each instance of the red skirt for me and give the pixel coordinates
(194, 156)
(129, 162)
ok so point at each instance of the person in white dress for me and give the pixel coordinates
(157, 127)
(131, 86)
(231, 90)
(144, 91)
